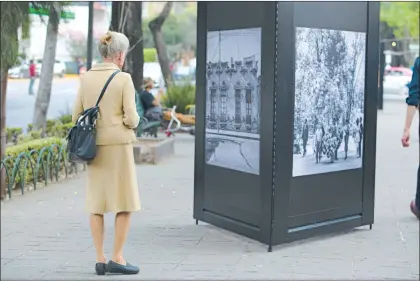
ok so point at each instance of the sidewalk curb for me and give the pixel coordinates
(66, 77)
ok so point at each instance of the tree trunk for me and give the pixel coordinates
(115, 15)
(4, 76)
(134, 32)
(156, 29)
(47, 70)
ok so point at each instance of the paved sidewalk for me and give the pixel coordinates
(45, 234)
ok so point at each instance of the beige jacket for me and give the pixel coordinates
(117, 109)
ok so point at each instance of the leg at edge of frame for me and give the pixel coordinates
(196, 221)
(370, 227)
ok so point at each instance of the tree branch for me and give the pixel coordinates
(159, 20)
(134, 45)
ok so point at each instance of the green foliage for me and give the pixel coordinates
(51, 124)
(403, 17)
(64, 119)
(55, 128)
(177, 30)
(13, 15)
(181, 96)
(172, 31)
(12, 133)
(149, 54)
(61, 130)
(38, 145)
(32, 135)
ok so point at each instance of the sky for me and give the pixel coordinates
(236, 44)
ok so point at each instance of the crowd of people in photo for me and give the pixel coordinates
(327, 139)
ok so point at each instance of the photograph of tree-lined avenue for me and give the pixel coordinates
(329, 100)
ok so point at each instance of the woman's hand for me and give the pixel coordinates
(405, 140)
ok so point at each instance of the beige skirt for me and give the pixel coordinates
(112, 181)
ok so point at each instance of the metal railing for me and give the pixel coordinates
(36, 166)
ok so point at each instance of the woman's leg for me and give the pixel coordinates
(97, 228)
(122, 224)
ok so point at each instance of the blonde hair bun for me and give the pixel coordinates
(106, 39)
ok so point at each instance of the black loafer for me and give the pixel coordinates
(116, 268)
(101, 268)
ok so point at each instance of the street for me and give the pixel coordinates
(20, 105)
(45, 234)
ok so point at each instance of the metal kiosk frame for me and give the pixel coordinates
(274, 207)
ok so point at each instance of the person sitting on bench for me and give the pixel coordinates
(151, 105)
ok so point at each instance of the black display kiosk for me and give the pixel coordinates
(286, 110)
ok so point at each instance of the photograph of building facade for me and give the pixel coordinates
(233, 99)
(329, 101)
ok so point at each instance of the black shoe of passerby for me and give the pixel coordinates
(101, 268)
(116, 268)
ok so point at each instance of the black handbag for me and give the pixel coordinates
(81, 139)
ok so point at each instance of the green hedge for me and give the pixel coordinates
(150, 55)
(34, 161)
(55, 128)
(65, 119)
(61, 130)
(181, 96)
(30, 136)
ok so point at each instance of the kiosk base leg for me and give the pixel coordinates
(270, 249)
(196, 222)
(370, 227)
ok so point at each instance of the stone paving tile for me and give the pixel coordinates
(26, 272)
(45, 234)
(339, 269)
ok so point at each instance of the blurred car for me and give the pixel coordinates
(19, 71)
(185, 74)
(59, 68)
(396, 80)
(152, 70)
(16, 72)
(185, 79)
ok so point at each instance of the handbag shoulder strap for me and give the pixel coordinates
(106, 86)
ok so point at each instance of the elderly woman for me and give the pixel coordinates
(413, 100)
(111, 176)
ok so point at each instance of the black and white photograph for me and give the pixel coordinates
(233, 99)
(329, 101)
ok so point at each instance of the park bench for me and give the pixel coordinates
(145, 126)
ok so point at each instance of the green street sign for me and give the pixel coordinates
(45, 12)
